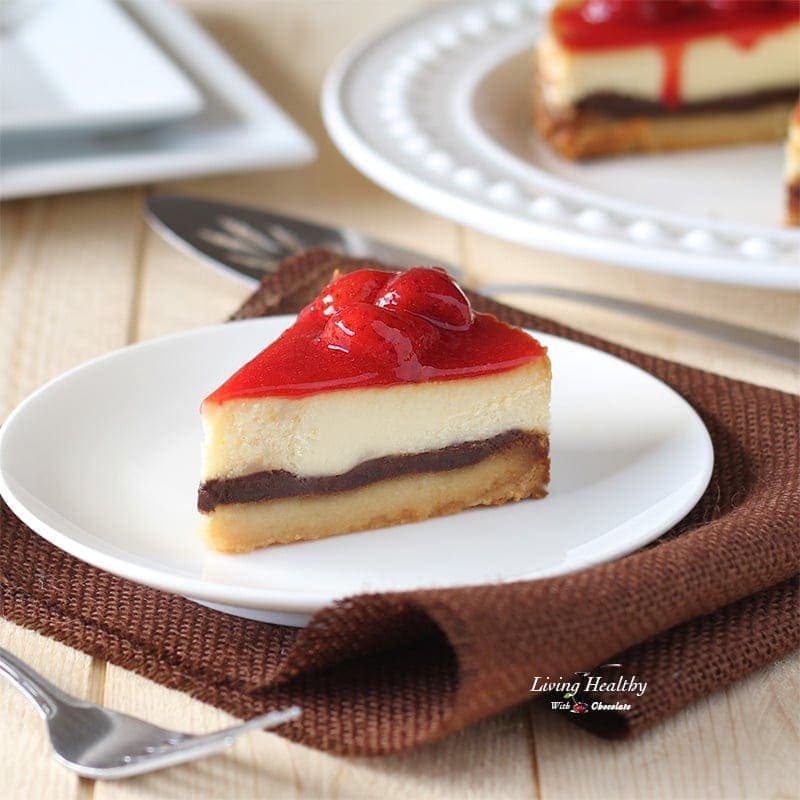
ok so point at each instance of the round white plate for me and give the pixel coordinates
(437, 110)
(104, 463)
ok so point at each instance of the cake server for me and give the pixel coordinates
(249, 242)
(102, 744)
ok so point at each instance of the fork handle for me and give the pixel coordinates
(43, 694)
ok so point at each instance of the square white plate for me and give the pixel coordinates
(239, 128)
(70, 65)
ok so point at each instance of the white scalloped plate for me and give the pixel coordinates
(437, 111)
(104, 462)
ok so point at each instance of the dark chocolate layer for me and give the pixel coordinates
(620, 105)
(274, 484)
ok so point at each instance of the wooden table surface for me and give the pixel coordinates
(81, 275)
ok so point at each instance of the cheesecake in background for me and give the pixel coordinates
(618, 76)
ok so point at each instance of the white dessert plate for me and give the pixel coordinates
(239, 126)
(70, 65)
(437, 110)
(104, 463)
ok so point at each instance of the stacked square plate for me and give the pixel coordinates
(101, 92)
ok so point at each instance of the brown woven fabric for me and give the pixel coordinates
(709, 602)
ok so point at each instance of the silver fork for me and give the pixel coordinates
(102, 744)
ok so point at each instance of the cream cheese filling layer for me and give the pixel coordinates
(330, 433)
(712, 67)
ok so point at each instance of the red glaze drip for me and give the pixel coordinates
(672, 56)
(669, 24)
(375, 328)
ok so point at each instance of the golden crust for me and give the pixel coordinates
(793, 203)
(560, 4)
(576, 134)
(793, 168)
(513, 473)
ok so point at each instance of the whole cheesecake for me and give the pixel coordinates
(389, 400)
(617, 76)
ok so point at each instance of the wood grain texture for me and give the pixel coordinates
(741, 742)
(66, 287)
(80, 276)
(26, 766)
(490, 760)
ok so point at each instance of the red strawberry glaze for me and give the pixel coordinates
(603, 24)
(358, 341)
(593, 25)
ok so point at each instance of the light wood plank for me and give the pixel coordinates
(27, 768)
(14, 277)
(13, 220)
(65, 296)
(741, 742)
(178, 292)
(490, 760)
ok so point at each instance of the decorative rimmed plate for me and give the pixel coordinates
(437, 111)
(104, 463)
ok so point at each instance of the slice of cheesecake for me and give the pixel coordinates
(792, 172)
(618, 76)
(388, 400)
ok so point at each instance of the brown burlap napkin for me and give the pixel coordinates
(709, 602)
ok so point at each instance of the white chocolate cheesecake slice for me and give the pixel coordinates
(387, 401)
